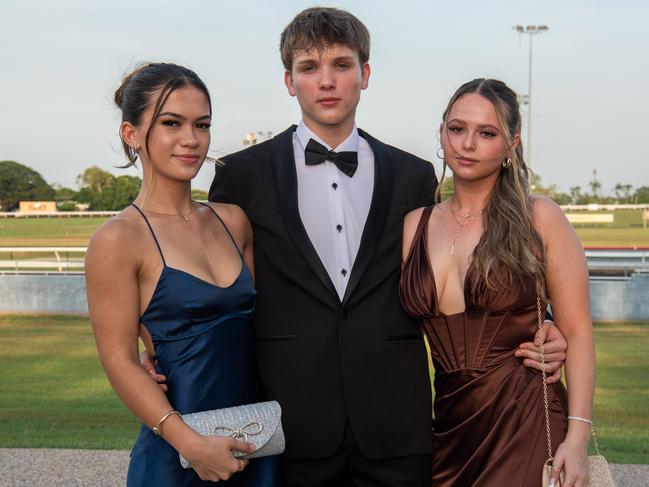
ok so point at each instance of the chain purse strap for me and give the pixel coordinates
(545, 382)
(545, 390)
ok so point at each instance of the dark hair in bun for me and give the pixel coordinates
(138, 88)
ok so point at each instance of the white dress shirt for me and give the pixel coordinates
(334, 207)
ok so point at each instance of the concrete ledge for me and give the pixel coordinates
(66, 294)
(43, 294)
(620, 300)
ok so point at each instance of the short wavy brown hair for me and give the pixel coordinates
(321, 27)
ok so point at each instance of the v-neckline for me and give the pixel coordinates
(424, 236)
(165, 267)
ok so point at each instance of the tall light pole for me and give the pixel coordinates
(531, 30)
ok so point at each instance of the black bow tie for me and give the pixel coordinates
(316, 153)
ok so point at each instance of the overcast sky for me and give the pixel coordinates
(60, 62)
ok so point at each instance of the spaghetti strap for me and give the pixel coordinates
(423, 221)
(421, 227)
(152, 233)
(224, 226)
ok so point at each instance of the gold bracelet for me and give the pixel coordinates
(584, 420)
(157, 430)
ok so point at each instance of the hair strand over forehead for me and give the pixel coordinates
(319, 28)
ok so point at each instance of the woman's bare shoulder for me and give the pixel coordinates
(413, 217)
(410, 223)
(118, 237)
(233, 216)
(228, 210)
(547, 213)
(545, 207)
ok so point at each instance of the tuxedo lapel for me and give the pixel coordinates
(283, 161)
(381, 197)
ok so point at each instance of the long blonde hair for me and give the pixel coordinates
(510, 250)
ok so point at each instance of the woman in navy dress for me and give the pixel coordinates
(182, 271)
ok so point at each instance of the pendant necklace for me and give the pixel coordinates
(468, 218)
(183, 216)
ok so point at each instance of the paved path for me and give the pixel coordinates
(99, 468)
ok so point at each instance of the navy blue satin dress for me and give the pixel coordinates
(204, 344)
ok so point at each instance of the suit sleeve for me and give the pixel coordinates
(428, 187)
(223, 188)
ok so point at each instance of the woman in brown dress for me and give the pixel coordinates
(474, 265)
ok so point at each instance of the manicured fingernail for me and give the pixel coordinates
(552, 483)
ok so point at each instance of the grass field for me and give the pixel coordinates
(626, 230)
(47, 232)
(53, 392)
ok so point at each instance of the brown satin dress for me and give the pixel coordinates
(489, 426)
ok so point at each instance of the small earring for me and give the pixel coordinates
(507, 163)
(442, 156)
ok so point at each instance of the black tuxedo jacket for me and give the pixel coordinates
(361, 360)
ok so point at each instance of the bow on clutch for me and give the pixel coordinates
(251, 429)
(260, 424)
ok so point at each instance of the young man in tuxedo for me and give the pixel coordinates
(334, 347)
(326, 201)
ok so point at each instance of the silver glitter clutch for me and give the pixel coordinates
(259, 423)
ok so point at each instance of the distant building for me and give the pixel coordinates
(36, 206)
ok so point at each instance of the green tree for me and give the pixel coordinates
(641, 195)
(96, 179)
(67, 206)
(617, 191)
(447, 187)
(575, 194)
(551, 191)
(595, 186)
(21, 183)
(62, 194)
(116, 193)
(199, 194)
(627, 191)
(124, 191)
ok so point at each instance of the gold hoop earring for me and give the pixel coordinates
(507, 163)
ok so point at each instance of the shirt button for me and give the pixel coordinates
(334, 185)
(344, 272)
(339, 228)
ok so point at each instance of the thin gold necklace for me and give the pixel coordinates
(468, 218)
(183, 216)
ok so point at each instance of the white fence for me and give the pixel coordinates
(106, 214)
(57, 214)
(71, 259)
(63, 259)
(603, 207)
